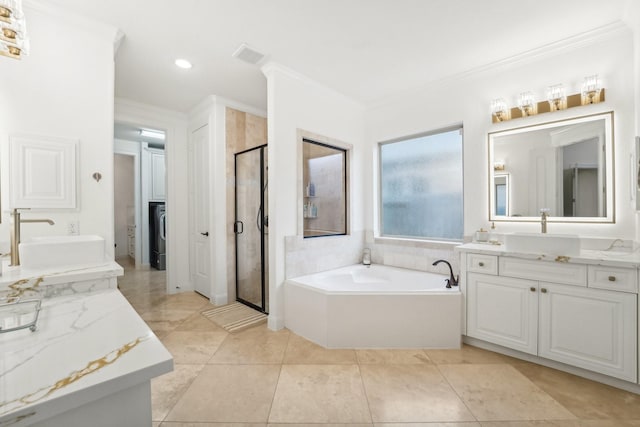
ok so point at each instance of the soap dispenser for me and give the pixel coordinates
(492, 233)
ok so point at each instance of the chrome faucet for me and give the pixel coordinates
(366, 257)
(15, 234)
(543, 219)
(451, 281)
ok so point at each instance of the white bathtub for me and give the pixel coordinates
(375, 307)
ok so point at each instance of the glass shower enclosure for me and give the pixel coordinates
(251, 228)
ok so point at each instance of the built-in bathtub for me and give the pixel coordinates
(374, 307)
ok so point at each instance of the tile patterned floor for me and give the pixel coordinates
(260, 378)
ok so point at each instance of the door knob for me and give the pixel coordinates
(206, 234)
(543, 290)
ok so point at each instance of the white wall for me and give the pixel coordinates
(466, 98)
(64, 88)
(295, 102)
(632, 19)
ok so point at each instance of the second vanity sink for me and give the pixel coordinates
(548, 244)
(60, 251)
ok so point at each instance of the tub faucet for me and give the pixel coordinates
(544, 214)
(452, 280)
(15, 233)
(366, 257)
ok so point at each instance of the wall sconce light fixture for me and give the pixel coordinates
(557, 97)
(527, 104)
(13, 30)
(499, 110)
(591, 90)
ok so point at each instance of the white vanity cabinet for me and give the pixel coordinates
(577, 314)
(503, 310)
(590, 328)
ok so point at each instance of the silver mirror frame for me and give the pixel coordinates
(609, 169)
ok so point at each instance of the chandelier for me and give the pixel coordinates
(13, 30)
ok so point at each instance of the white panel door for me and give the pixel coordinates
(158, 173)
(503, 310)
(590, 328)
(202, 264)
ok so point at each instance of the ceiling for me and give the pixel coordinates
(365, 49)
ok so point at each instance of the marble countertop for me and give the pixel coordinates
(57, 275)
(19, 282)
(629, 259)
(86, 346)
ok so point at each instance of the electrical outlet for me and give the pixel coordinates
(73, 227)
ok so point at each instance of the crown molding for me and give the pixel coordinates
(272, 67)
(127, 107)
(211, 101)
(63, 15)
(588, 38)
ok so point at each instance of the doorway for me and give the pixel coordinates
(124, 166)
(251, 228)
(145, 152)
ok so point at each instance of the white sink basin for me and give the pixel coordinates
(548, 244)
(61, 251)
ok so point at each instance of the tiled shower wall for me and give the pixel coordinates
(243, 131)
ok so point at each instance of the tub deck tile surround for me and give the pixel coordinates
(562, 399)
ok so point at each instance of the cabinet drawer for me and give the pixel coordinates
(545, 271)
(613, 278)
(487, 264)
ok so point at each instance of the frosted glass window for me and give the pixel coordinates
(421, 186)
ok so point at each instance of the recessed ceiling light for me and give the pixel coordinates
(183, 63)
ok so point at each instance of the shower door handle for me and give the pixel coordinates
(238, 227)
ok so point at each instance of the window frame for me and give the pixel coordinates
(345, 176)
(380, 211)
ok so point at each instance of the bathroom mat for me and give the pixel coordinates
(235, 317)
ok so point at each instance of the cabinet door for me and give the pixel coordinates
(503, 310)
(590, 328)
(157, 177)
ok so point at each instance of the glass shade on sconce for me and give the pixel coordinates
(557, 97)
(499, 109)
(591, 90)
(527, 104)
(13, 30)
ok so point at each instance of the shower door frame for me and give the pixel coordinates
(262, 166)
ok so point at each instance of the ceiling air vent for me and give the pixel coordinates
(248, 54)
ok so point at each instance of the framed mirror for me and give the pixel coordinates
(565, 166)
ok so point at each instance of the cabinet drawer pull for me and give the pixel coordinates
(543, 290)
(533, 289)
(612, 278)
(481, 264)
